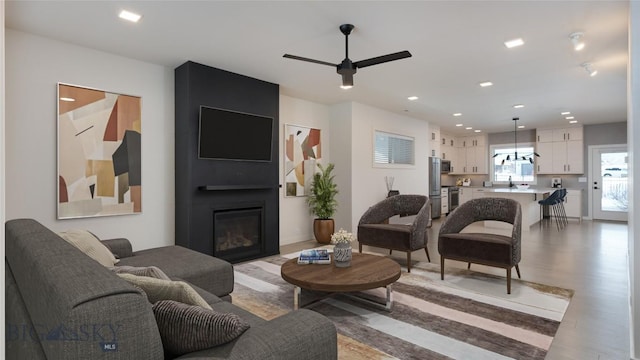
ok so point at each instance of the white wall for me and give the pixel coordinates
(34, 65)
(368, 184)
(296, 223)
(2, 161)
(341, 146)
(633, 132)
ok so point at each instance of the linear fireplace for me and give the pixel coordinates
(227, 191)
(238, 233)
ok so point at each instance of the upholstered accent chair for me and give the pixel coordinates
(482, 248)
(374, 229)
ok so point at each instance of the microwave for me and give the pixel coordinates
(445, 166)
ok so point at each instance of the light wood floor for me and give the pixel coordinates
(589, 257)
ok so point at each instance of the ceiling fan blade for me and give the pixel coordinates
(294, 57)
(382, 59)
(347, 79)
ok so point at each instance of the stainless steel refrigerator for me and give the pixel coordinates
(434, 186)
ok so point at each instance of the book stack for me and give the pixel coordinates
(314, 256)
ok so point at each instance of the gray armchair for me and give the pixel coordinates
(374, 229)
(482, 248)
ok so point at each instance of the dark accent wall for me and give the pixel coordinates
(233, 182)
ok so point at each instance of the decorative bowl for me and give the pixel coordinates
(523, 186)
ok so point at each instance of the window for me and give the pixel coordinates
(393, 149)
(521, 170)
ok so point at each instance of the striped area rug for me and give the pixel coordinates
(466, 316)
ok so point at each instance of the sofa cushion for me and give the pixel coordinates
(491, 249)
(187, 328)
(89, 244)
(158, 289)
(212, 274)
(149, 271)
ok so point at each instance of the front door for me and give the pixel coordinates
(609, 183)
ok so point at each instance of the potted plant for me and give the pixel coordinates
(322, 203)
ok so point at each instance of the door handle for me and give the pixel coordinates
(595, 188)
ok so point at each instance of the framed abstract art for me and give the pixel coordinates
(99, 155)
(303, 149)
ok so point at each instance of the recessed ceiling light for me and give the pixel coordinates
(67, 99)
(565, 113)
(569, 117)
(486, 83)
(477, 130)
(513, 43)
(458, 125)
(457, 114)
(412, 98)
(469, 128)
(518, 106)
(520, 126)
(128, 15)
(573, 121)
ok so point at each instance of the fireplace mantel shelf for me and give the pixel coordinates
(234, 187)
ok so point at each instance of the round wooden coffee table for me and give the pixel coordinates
(366, 272)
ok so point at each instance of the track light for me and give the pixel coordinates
(589, 69)
(576, 39)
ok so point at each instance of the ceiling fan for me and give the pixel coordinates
(347, 67)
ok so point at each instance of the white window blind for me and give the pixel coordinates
(393, 149)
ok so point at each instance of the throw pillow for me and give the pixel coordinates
(158, 289)
(186, 328)
(150, 271)
(90, 245)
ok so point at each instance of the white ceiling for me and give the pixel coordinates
(455, 46)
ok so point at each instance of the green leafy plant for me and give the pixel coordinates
(322, 200)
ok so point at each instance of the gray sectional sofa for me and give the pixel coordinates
(62, 304)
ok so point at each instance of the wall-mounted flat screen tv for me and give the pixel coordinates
(231, 135)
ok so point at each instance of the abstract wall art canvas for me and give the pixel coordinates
(302, 151)
(99, 155)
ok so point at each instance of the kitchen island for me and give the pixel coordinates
(528, 200)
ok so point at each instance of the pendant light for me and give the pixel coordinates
(516, 157)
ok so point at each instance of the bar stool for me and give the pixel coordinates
(552, 201)
(560, 205)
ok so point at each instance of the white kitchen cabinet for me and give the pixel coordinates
(567, 134)
(573, 204)
(564, 155)
(544, 163)
(458, 160)
(446, 147)
(475, 151)
(444, 200)
(544, 136)
(464, 194)
(434, 141)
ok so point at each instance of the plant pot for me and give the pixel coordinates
(342, 254)
(322, 230)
